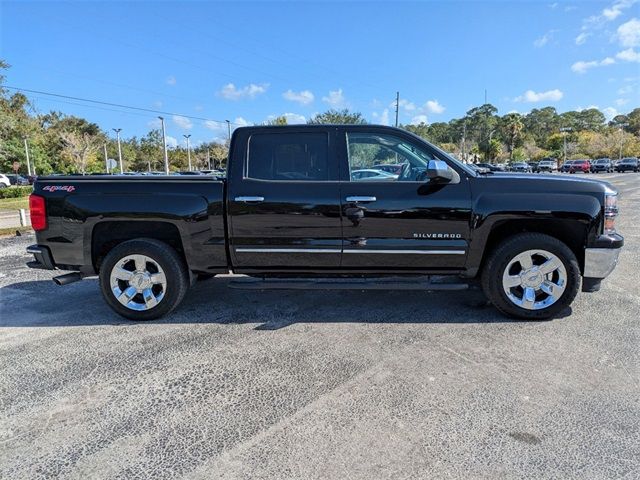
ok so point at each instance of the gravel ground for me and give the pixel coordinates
(243, 384)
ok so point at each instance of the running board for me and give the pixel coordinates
(383, 283)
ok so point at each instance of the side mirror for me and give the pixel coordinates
(439, 171)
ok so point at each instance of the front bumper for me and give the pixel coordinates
(601, 257)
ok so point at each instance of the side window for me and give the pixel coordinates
(288, 156)
(375, 157)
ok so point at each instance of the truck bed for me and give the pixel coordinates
(188, 210)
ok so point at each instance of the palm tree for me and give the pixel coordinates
(514, 126)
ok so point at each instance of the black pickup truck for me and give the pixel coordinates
(293, 214)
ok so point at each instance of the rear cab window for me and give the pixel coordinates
(289, 156)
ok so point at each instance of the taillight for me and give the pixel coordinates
(38, 212)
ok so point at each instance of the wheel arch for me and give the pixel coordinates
(108, 234)
(572, 232)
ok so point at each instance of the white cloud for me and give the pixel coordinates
(534, 97)
(231, 92)
(171, 80)
(580, 39)
(292, 118)
(629, 55)
(155, 124)
(295, 119)
(628, 33)
(304, 97)
(544, 39)
(418, 119)
(335, 99)
(621, 101)
(171, 142)
(609, 112)
(553, 5)
(433, 106)
(215, 126)
(157, 104)
(625, 90)
(582, 66)
(182, 122)
(607, 15)
(383, 118)
(406, 104)
(220, 128)
(615, 10)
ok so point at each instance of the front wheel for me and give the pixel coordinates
(531, 276)
(143, 279)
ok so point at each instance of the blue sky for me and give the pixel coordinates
(248, 61)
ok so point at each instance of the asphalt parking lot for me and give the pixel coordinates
(246, 384)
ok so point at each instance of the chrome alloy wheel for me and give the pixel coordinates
(138, 282)
(534, 279)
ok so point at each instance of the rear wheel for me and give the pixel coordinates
(531, 276)
(143, 279)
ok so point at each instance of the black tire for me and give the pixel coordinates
(501, 256)
(175, 273)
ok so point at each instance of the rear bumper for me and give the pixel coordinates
(43, 259)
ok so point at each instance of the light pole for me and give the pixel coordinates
(564, 131)
(106, 157)
(209, 158)
(118, 130)
(164, 144)
(621, 126)
(397, 106)
(26, 152)
(228, 130)
(188, 150)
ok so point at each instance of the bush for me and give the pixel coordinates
(15, 192)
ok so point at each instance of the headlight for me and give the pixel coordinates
(610, 211)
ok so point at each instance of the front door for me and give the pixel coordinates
(284, 202)
(393, 217)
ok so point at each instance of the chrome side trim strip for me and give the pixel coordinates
(288, 250)
(335, 250)
(411, 252)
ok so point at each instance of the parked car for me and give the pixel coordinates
(479, 169)
(534, 166)
(393, 168)
(490, 166)
(4, 181)
(566, 166)
(521, 167)
(601, 165)
(18, 180)
(628, 165)
(547, 166)
(289, 209)
(368, 174)
(583, 166)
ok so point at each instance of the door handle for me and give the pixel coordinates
(357, 199)
(250, 199)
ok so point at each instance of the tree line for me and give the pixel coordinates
(60, 143)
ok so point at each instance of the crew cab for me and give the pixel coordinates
(292, 215)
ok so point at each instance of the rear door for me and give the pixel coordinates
(403, 221)
(283, 199)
